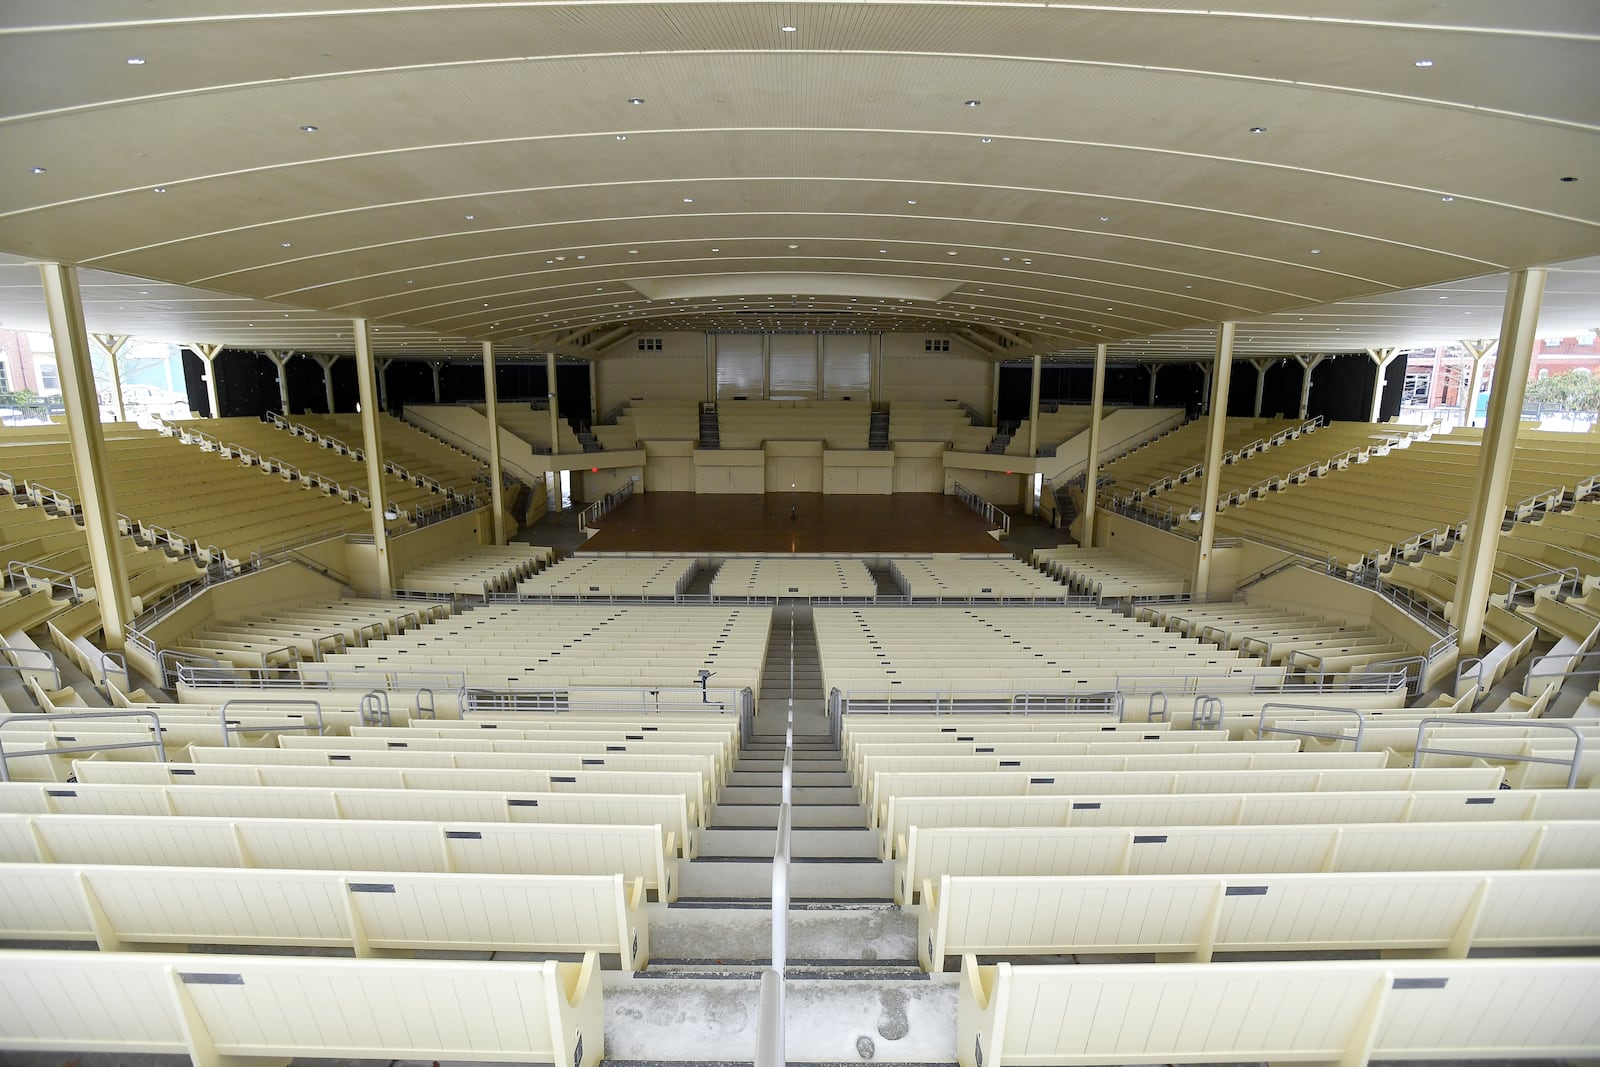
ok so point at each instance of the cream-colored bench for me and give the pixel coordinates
(670, 810)
(261, 1010)
(345, 844)
(715, 765)
(933, 854)
(1191, 917)
(1347, 1012)
(1229, 809)
(372, 913)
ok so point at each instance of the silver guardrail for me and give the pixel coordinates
(604, 506)
(154, 741)
(237, 726)
(1573, 763)
(991, 514)
(1263, 729)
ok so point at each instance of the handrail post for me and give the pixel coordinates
(1573, 764)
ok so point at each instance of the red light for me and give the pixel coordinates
(594, 470)
(1008, 472)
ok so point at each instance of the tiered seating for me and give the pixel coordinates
(478, 572)
(1411, 498)
(1055, 429)
(1163, 461)
(409, 448)
(534, 427)
(1106, 574)
(841, 424)
(1019, 650)
(1294, 459)
(1309, 643)
(317, 460)
(608, 576)
(531, 646)
(781, 576)
(937, 420)
(981, 577)
(312, 631)
(651, 420)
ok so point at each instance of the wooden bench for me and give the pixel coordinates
(1227, 809)
(255, 1011)
(1347, 1012)
(371, 913)
(1190, 918)
(932, 854)
(345, 844)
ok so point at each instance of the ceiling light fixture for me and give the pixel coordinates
(36, 170)
(1258, 129)
(913, 203)
(159, 189)
(469, 218)
(308, 129)
(972, 103)
(985, 140)
(1316, 251)
(788, 29)
(635, 251)
(635, 100)
(688, 200)
(1423, 63)
(286, 244)
(1105, 218)
(1448, 199)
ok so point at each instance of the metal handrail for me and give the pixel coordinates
(1262, 729)
(233, 728)
(1571, 581)
(22, 574)
(604, 506)
(1404, 663)
(155, 740)
(15, 651)
(1572, 763)
(990, 513)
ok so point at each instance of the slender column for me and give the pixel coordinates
(383, 384)
(1205, 389)
(491, 408)
(555, 416)
(1033, 434)
(1524, 293)
(437, 366)
(1381, 358)
(1307, 365)
(280, 360)
(1091, 474)
(1215, 430)
(1155, 369)
(1477, 351)
(64, 306)
(594, 399)
(114, 343)
(994, 393)
(372, 442)
(208, 355)
(326, 362)
(1261, 366)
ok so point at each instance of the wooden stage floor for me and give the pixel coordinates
(691, 523)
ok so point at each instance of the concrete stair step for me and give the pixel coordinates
(848, 816)
(809, 879)
(805, 841)
(801, 794)
(832, 779)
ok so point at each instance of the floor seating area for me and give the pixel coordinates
(1106, 574)
(839, 424)
(784, 576)
(480, 572)
(612, 575)
(581, 646)
(978, 577)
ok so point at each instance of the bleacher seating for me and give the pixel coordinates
(479, 572)
(650, 420)
(1107, 574)
(1164, 460)
(406, 446)
(314, 630)
(944, 420)
(839, 424)
(1055, 429)
(608, 576)
(533, 426)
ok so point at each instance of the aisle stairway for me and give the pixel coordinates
(855, 990)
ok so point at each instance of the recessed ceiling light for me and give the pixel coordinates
(1444, 298)
(549, 261)
(911, 202)
(1005, 259)
(308, 129)
(688, 200)
(1448, 199)
(635, 100)
(583, 257)
(1105, 218)
(788, 29)
(1027, 262)
(159, 189)
(951, 253)
(286, 244)
(1423, 63)
(635, 251)
(1316, 251)
(1258, 129)
(985, 140)
(36, 170)
(883, 251)
(469, 218)
(972, 103)
(135, 61)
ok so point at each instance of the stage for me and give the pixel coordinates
(692, 523)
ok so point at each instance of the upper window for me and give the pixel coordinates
(936, 344)
(649, 344)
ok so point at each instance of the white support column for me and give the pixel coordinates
(64, 306)
(555, 415)
(437, 366)
(1381, 358)
(1215, 431)
(1478, 352)
(594, 398)
(383, 384)
(208, 355)
(1307, 365)
(994, 393)
(280, 359)
(113, 344)
(372, 442)
(1033, 434)
(1261, 366)
(1205, 388)
(326, 362)
(1091, 474)
(1154, 369)
(1524, 293)
(491, 405)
